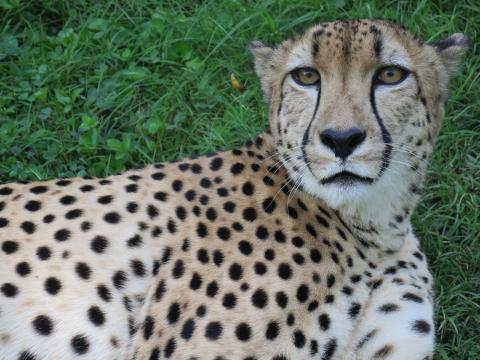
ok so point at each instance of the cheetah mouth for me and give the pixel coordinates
(346, 178)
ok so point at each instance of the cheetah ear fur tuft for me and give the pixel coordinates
(263, 55)
(451, 51)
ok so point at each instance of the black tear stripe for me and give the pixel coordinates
(305, 135)
(387, 138)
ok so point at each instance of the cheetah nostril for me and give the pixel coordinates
(342, 143)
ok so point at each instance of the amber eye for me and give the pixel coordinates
(306, 76)
(391, 75)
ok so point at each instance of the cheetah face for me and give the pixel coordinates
(355, 106)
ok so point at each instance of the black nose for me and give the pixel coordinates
(342, 142)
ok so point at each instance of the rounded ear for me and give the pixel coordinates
(263, 55)
(451, 50)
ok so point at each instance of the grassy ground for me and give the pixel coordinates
(97, 87)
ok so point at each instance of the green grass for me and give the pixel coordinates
(93, 89)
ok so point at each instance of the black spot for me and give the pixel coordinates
(237, 168)
(299, 339)
(330, 348)
(86, 188)
(177, 185)
(170, 347)
(63, 182)
(224, 233)
(262, 232)
(33, 205)
(324, 321)
(80, 344)
(243, 332)
(354, 310)
(315, 255)
(201, 311)
(27, 226)
(52, 285)
(155, 354)
(284, 271)
(248, 188)
(272, 330)
(148, 326)
(195, 282)
(213, 330)
(178, 269)
(269, 254)
(302, 293)
(9, 290)
(212, 289)
(112, 217)
(216, 164)
(281, 299)
(388, 308)
(132, 207)
(138, 267)
(249, 214)
(211, 214)
(229, 207)
(158, 176)
(47, 219)
(160, 290)
(23, 268)
(83, 270)
(96, 316)
(202, 256)
(119, 279)
(67, 200)
(43, 325)
(9, 247)
(330, 280)
(161, 196)
(25, 355)
(245, 247)
(62, 235)
(104, 293)
(40, 189)
(99, 244)
(43, 253)
(260, 268)
(412, 297)
(218, 257)
(73, 214)
(421, 326)
(135, 241)
(311, 230)
(260, 298)
(290, 319)
(181, 213)
(173, 313)
(383, 352)
(187, 329)
(235, 271)
(202, 230)
(229, 300)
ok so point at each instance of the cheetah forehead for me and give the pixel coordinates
(347, 43)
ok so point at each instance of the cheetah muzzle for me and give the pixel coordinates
(296, 246)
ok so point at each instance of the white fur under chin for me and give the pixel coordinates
(373, 203)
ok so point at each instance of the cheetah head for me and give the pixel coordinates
(355, 107)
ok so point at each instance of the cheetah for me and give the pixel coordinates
(297, 245)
